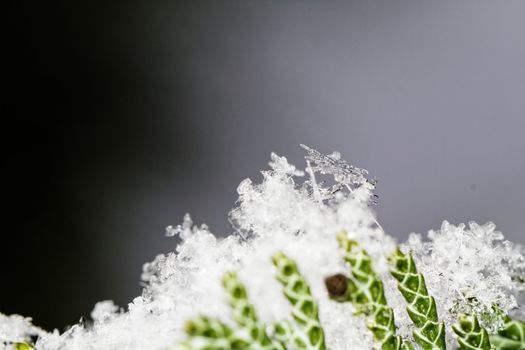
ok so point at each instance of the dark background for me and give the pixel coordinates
(122, 116)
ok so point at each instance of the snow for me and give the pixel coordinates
(290, 211)
(470, 268)
(16, 328)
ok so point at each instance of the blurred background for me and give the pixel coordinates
(124, 115)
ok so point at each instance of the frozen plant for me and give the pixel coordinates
(308, 266)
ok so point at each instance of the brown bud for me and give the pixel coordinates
(336, 285)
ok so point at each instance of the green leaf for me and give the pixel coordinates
(471, 336)
(510, 337)
(23, 346)
(245, 315)
(211, 334)
(430, 333)
(365, 290)
(307, 332)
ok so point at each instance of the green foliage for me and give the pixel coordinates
(510, 337)
(430, 333)
(365, 290)
(471, 336)
(307, 332)
(245, 316)
(283, 332)
(23, 346)
(304, 332)
(210, 334)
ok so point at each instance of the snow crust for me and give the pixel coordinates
(291, 211)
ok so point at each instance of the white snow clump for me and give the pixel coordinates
(299, 215)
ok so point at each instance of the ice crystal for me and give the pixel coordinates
(468, 269)
(332, 164)
(346, 177)
(104, 311)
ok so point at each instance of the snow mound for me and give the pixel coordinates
(291, 211)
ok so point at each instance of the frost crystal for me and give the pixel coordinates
(103, 311)
(346, 176)
(467, 269)
(471, 269)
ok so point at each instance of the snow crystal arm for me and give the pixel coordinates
(349, 180)
(343, 172)
(510, 337)
(307, 333)
(244, 314)
(422, 307)
(471, 336)
(364, 289)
